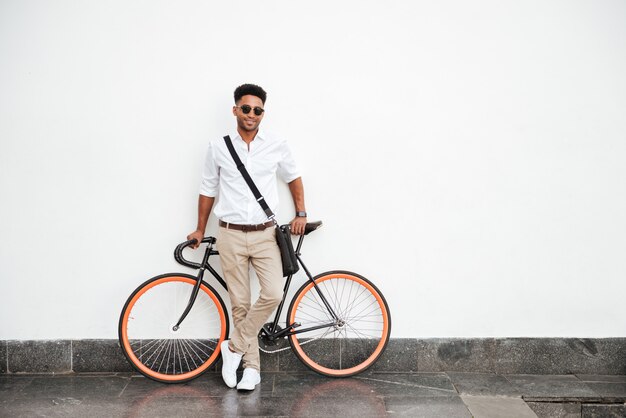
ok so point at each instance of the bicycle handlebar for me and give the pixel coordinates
(178, 252)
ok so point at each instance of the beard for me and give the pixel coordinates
(248, 128)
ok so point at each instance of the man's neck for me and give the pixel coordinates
(247, 136)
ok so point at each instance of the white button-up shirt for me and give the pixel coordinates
(267, 157)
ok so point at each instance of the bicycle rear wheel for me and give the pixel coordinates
(353, 342)
(146, 330)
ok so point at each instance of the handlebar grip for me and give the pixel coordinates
(178, 252)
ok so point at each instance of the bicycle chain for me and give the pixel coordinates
(286, 348)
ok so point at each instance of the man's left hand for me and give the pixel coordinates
(297, 225)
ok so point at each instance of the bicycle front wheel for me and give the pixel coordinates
(351, 342)
(146, 328)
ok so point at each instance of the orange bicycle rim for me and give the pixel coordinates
(384, 333)
(161, 376)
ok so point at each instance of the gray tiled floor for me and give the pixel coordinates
(307, 394)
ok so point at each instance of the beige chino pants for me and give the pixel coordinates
(238, 250)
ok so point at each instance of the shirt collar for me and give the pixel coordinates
(260, 135)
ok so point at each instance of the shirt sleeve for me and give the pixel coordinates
(210, 174)
(287, 168)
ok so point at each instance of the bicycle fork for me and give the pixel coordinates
(196, 288)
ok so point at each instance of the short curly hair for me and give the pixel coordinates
(250, 89)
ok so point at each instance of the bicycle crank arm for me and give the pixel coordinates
(286, 331)
(192, 299)
(271, 336)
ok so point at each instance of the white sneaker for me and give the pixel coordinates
(230, 362)
(250, 379)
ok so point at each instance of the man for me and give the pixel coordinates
(245, 235)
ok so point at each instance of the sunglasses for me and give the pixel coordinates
(246, 109)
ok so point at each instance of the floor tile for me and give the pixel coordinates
(427, 407)
(485, 384)
(609, 390)
(310, 404)
(372, 394)
(408, 384)
(73, 387)
(242, 404)
(497, 407)
(232, 403)
(556, 409)
(113, 408)
(554, 386)
(603, 411)
(209, 384)
(294, 384)
(383, 384)
(10, 386)
(602, 378)
(307, 404)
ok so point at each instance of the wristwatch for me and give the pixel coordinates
(301, 214)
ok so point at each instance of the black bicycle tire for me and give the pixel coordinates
(138, 289)
(386, 305)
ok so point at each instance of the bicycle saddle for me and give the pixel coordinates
(312, 226)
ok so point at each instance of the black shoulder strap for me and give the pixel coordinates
(242, 169)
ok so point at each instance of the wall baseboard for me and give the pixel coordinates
(477, 355)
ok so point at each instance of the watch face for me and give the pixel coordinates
(301, 214)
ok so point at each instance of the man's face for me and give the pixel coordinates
(248, 122)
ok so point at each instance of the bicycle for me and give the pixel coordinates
(170, 329)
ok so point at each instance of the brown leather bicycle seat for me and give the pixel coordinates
(312, 226)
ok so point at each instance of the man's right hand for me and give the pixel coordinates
(197, 235)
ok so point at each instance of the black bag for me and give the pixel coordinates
(283, 233)
(287, 254)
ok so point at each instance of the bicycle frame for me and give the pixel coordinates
(271, 331)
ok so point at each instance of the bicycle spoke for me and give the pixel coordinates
(360, 323)
(180, 354)
(359, 333)
(375, 313)
(365, 308)
(318, 309)
(189, 350)
(318, 300)
(151, 341)
(352, 303)
(199, 349)
(169, 342)
(185, 353)
(161, 352)
(204, 345)
(157, 350)
(150, 345)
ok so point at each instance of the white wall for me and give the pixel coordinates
(466, 156)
